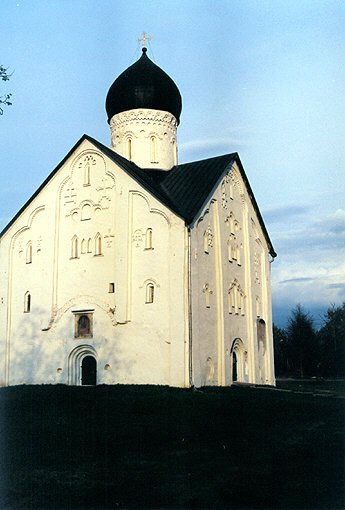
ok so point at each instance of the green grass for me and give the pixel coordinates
(119, 447)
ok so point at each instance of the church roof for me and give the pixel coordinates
(144, 85)
(184, 189)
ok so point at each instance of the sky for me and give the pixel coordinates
(264, 78)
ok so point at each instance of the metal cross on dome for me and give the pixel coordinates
(144, 39)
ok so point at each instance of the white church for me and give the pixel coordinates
(126, 267)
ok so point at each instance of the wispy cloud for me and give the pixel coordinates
(207, 144)
(285, 212)
(297, 280)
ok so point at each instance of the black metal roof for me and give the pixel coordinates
(144, 85)
(184, 189)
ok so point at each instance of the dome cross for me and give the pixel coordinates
(144, 39)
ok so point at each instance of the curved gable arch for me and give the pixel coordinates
(151, 209)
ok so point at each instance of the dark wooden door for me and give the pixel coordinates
(88, 371)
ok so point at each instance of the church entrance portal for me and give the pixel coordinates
(234, 366)
(82, 366)
(237, 357)
(88, 371)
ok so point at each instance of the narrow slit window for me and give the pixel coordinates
(98, 244)
(83, 246)
(87, 174)
(205, 242)
(27, 302)
(89, 245)
(153, 150)
(29, 253)
(207, 292)
(150, 291)
(148, 239)
(111, 288)
(174, 152)
(74, 248)
(129, 149)
(238, 249)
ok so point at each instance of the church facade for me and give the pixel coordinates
(127, 268)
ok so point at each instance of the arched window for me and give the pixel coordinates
(148, 239)
(29, 252)
(84, 324)
(207, 292)
(87, 173)
(98, 244)
(129, 149)
(83, 246)
(238, 255)
(150, 291)
(27, 302)
(232, 299)
(174, 151)
(74, 247)
(242, 303)
(86, 212)
(238, 361)
(153, 148)
(208, 239)
(89, 245)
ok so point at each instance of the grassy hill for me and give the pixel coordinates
(118, 447)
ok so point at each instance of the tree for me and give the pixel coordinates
(281, 359)
(302, 343)
(4, 100)
(332, 342)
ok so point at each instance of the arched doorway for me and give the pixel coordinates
(88, 371)
(234, 366)
(237, 361)
(82, 366)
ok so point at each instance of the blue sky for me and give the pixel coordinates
(265, 78)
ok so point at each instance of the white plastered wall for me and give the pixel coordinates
(146, 137)
(133, 341)
(226, 244)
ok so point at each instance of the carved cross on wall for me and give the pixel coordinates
(70, 195)
(109, 238)
(103, 190)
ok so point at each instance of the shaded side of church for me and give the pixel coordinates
(126, 267)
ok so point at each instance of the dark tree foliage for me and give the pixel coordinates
(5, 99)
(281, 358)
(303, 351)
(332, 342)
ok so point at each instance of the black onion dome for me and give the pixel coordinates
(144, 85)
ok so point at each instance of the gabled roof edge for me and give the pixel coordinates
(115, 157)
(256, 208)
(237, 159)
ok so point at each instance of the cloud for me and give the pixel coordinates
(207, 144)
(297, 280)
(285, 212)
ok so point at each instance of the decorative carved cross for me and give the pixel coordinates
(144, 39)
(70, 195)
(109, 237)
